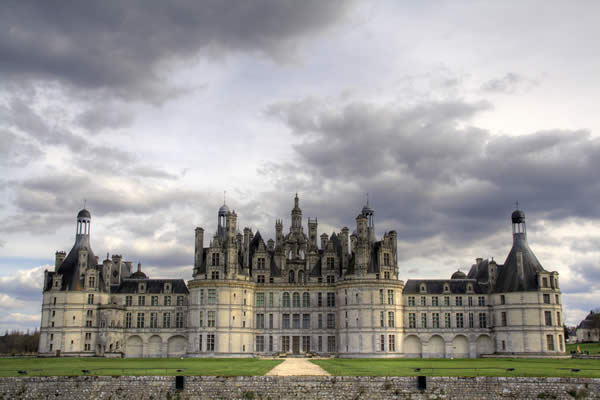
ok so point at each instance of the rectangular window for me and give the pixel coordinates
(306, 343)
(179, 300)
(296, 321)
(503, 316)
(560, 342)
(141, 300)
(201, 319)
(331, 344)
(435, 301)
(330, 321)
(382, 319)
(319, 299)
(471, 320)
(140, 320)
(435, 320)
(285, 343)
(167, 300)
(320, 321)
(260, 344)
(128, 320)
(153, 320)
(320, 343)
(330, 299)
(167, 320)
(556, 299)
(88, 324)
(90, 299)
(386, 259)
(330, 279)
(545, 282)
(154, 300)
(386, 275)
(212, 296)
(550, 341)
(271, 343)
(447, 320)
(390, 297)
(261, 264)
(200, 343)
(286, 321)
(546, 298)
(558, 318)
(90, 313)
(470, 300)
(446, 301)
(411, 301)
(270, 321)
(423, 301)
(305, 321)
(380, 296)
(201, 297)
(482, 320)
(210, 342)
(179, 320)
(458, 301)
(215, 259)
(128, 300)
(548, 318)
(391, 319)
(271, 301)
(260, 299)
(382, 342)
(260, 321)
(260, 279)
(460, 322)
(330, 263)
(391, 343)
(423, 320)
(502, 299)
(481, 301)
(211, 319)
(92, 282)
(412, 320)
(305, 299)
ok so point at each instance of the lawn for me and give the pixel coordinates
(592, 348)
(461, 367)
(135, 366)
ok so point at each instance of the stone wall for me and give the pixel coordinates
(267, 387)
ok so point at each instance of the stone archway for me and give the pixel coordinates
(460, 346)
(134, 347)
(413, 347)
(436, 348)
(176, 346)
(484, 345)
(154, 347)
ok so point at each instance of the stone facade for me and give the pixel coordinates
(337, 296)
(296, 387)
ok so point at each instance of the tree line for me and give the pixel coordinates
(18, 342)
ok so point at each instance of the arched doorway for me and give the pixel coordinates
(461, 347)
(154, 346)
(484, 345)
(436, 347)
(412, 347)
(134, 347)
(176, 346)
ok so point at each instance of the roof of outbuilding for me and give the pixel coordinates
(591, 321)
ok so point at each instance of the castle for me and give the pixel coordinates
(302, 293)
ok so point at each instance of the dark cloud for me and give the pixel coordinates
(508, 84)
(124, 48)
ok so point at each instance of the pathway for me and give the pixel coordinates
(297, 366)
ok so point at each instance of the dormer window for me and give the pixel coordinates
(423, 288)
(469, 288)
(92, 282)
(446, 288)
(167, 287)
(141, 288)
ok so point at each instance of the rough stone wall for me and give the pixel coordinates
(272, 387)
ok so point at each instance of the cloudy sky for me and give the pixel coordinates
(445, 112)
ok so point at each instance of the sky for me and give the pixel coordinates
(445, 112)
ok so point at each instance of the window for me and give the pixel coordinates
(215, 259)
(141, 300)
(331, 344)
(503, 345)
(435, 320)
(201, 296)
(214, 275)
(260, 321)
(458, 301)
(286, 299)
(503, 317)
(482, 320)
(391, 319)
(296, 321)
(92, 282)
(546, 298)
(260, 263)
(210, 342)
(320, 321)
(260, 344)
(502, 299)
(260, 299)
(286, 321)
(560, 342)
(271, 297)
(386, 275)
(90, 299)
(260, 279)
(330, 279)
(423, 320)
(423, 301)
(200, 343)
(381, 342)
(446, 300)
(550, 341)
(54, 300)
(470, 300)
(140, 320)
(201, 318)
(556, 299)
(296, 300)
(435, 301)
(330, 263)
(390, 297)
(447, 320)
(153, 320)
(212, 296)
(330, 321)
(306, 343)
(211, 319)
(270, 321)
(88, 336)
(330, 299)
(285, 343)
(88, 324)
(386, 259)
(319, 299)
(558, 318)
(128, 300)
(471, 320)
(545, 282)
(271, 343)
(128, 320)
(291, 276)
(412, 320)
(460, 322)
(320, 343)
(179, 300)
(411, 301)
(89, 313)
(179, 321)
(154, 300)
(548, 318)
(167, 300)
(305, 299)
(391, 342)
(305, 321)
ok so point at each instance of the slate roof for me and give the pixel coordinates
(153, 286)
(591, 321)
(480, 271)
(70, 266)
(436, 286)
(509, 277)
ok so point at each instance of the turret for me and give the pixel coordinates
(369, 213)
(296, 216)
(221, 221)
(246, 247)
(278, 233)
(230, 226)
(324, 240)
(518, 225)
(362, 227)
(59, 257)
(344, 239)
(312, 232)
(199, 247)
(83, 225)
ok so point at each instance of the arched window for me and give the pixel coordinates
(301, 276)
(305, 299)
(296, 300)
(290, 255)
(286, 299)
(292, 277)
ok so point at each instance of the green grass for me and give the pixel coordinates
(461, 367)
(136, 366)
(593, 348)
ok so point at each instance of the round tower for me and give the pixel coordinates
(83, 224)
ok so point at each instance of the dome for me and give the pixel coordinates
(138, 275)
(84, 214)
(518, 216)
(367, 210)
(458, 275)
(224, 209)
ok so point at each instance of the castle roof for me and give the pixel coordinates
(513, 277)
(436, 286)
(153, 286)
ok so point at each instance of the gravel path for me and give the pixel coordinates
(296, 366)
